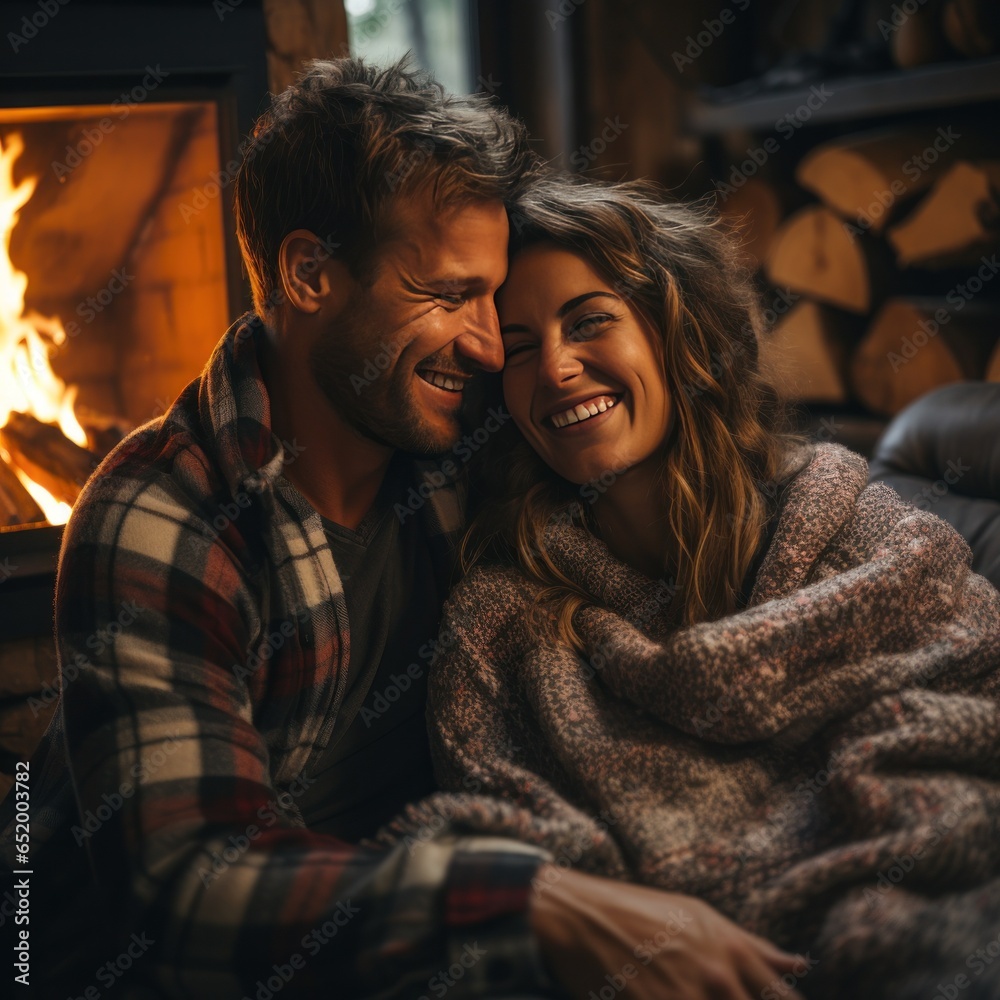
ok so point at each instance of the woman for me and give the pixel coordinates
(693, 652)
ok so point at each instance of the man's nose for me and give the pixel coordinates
(480, 341)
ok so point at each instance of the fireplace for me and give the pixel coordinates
(123, 278)
(119, 132)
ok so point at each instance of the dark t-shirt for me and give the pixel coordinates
(381, 760)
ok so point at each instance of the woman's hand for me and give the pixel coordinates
(646, 944)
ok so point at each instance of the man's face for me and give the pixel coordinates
(396, 361)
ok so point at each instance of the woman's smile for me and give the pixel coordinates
(590, 412)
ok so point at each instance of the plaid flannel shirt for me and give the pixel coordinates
(202, 636)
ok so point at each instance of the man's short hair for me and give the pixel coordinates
(345, 140)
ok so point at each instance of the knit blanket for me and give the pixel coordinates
(823, 766)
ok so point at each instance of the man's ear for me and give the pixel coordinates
(310, 278)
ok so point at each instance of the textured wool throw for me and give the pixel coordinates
(823, 766)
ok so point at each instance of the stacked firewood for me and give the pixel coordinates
(51, 459)
(891, 271)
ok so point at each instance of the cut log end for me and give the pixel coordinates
(913, 347)
(753, 212)
(814, 253)
(955, 222)
(805, 356)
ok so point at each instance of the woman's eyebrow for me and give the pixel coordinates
(574, 302)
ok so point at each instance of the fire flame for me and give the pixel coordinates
(27, 382)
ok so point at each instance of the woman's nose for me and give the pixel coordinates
(558, 363)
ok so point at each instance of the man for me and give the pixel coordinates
(274, 555)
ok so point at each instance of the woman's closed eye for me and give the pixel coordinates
(518, 347)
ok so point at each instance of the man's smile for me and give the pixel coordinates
(443, 380)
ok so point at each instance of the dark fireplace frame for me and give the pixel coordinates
(86, 52)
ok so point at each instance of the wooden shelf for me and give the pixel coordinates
(939, 86)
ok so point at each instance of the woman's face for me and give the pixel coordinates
(580, 377)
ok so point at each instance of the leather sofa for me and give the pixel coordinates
(942, 453)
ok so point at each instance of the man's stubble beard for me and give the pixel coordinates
(383, 408)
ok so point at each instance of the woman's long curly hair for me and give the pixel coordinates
(681, 271)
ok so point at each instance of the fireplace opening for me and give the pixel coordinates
(113, 284)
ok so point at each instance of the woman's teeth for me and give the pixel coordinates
(583, 411)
